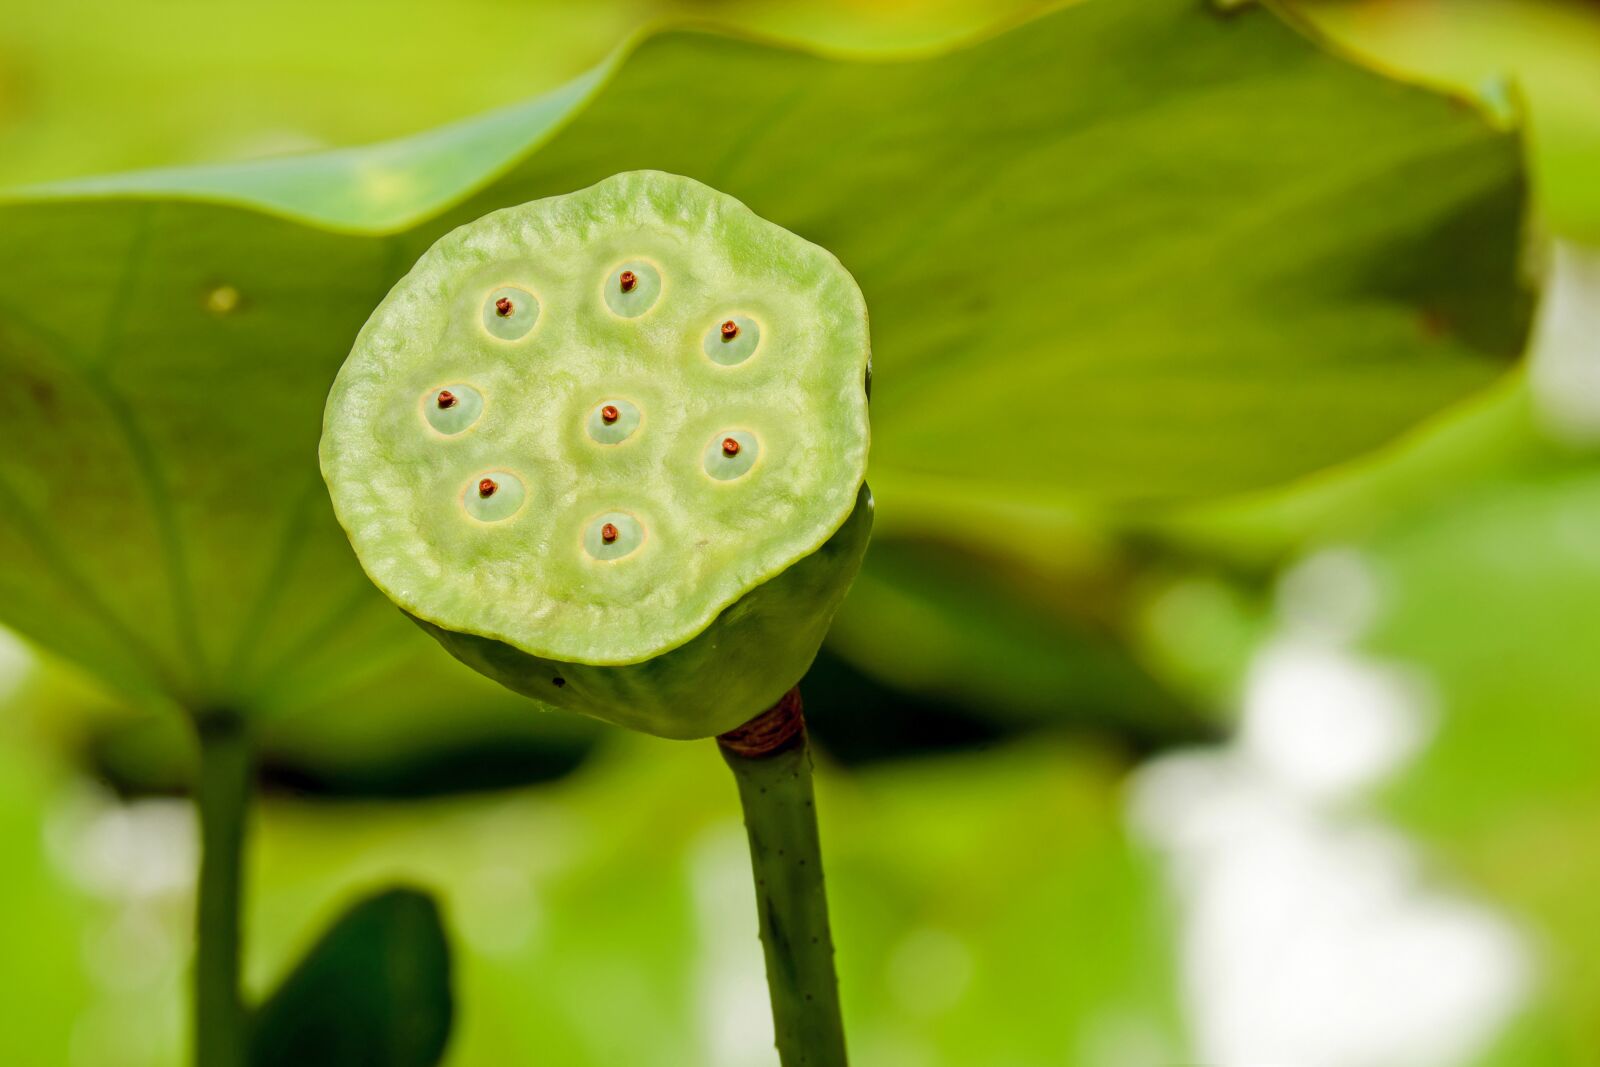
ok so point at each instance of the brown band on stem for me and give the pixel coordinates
(730, 330)
(778, 728)
(609, 414)
(730, 446)
(503, 307)
(628, 280)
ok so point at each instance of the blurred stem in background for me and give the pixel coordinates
(771, 760)
(222, 796)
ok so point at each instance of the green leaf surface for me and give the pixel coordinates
(1121, 254)
(374, 991)
(1542, 54)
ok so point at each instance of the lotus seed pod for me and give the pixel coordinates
(609, 448)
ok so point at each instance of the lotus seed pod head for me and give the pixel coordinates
(609, 449)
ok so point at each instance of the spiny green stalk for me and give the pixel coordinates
(222, 795)
(771, 761)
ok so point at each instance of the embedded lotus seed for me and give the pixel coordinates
(733, 341)
(731, 455)
(613, 422)
(452, 409)
(494, 497)
(633, 289)
(613, 535)
(509, 313)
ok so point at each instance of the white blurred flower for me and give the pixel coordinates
(1309, 936)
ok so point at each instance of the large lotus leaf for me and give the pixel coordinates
(1123, 253)
(1545, 52)
(92, 86)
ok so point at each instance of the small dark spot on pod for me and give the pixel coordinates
(558, 682)
(730, 330)
(503, 307)
(447, 399)
(486, 488)
(608, 533)
(610, 414)
(730, 446)
(627, 279)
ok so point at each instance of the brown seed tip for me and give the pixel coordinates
(486, 488)
(608, 533)
(609, 414)
(730, 330)
(503, 307)
(730, 446)
(447, 399)
(628, 280)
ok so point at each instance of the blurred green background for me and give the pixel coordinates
(1305, 775)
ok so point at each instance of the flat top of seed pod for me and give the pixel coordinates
(585, 425)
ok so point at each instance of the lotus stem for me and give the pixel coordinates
(222, 795)
(771, 761)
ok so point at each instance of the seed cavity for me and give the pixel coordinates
(509, 313)
(452, 409)
(613, 421)
(731, 342)
(632, 288)
(731, 454)
(494, 496)
(613, 535)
